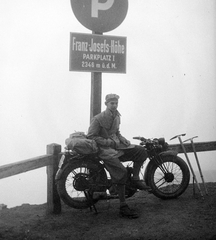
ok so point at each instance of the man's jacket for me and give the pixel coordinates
(104, 127)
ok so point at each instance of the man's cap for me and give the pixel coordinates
(111, 97)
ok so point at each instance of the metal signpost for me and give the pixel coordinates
(95, 52)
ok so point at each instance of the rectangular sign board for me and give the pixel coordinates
(97, 53)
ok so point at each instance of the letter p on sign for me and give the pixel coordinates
(100, 15)
(96, 6)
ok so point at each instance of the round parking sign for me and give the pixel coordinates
(100, 15)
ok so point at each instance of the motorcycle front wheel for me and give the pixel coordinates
(78, 182)
(170, 178)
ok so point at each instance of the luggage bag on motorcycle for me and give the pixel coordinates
(79, 143)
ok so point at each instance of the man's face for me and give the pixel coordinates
(112, 105)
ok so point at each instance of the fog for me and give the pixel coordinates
(169, 87)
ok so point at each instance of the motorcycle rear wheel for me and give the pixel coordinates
(171, 183)
(78, 182)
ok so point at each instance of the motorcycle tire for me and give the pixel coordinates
(172, 182)
(78, 181)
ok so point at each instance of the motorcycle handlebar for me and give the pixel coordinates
(140, 138)
(153, 141)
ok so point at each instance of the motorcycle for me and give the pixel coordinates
(80, 177)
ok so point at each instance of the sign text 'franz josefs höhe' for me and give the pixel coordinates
(97, 53)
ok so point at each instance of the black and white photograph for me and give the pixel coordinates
(108, 119)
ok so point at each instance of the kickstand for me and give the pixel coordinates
(95, 209)
(90, 200)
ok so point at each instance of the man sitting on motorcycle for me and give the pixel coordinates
(114, 149)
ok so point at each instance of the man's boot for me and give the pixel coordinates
(125, 211)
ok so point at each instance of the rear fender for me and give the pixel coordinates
(58, 174)
(75, 161)
(63, 165)
(64, 161)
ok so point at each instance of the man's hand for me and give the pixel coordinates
(126, 142)
(110, 143)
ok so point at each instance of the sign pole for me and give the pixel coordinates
(99, 55)
(96, 89)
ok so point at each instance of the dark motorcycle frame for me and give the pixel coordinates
(161, 158)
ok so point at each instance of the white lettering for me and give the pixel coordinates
(100, 6)
(79, 46)
(116, 47)
(99, 47)
(97, 57)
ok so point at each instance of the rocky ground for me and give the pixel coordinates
(188, 217)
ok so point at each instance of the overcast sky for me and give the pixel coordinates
(169, 87)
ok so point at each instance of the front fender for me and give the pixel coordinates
(166, 153)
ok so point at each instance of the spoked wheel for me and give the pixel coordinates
(169, 179)
(78, 182)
